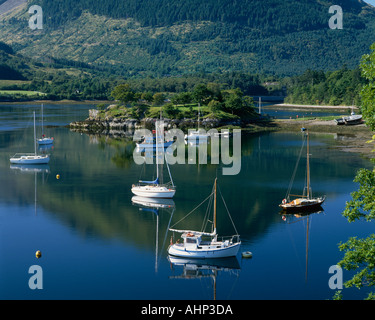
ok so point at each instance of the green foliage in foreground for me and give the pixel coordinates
(360, 253)
(368, 91)
(362, 204)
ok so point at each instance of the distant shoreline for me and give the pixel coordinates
(88, 102)
(348, 138)
(95, 102)
(311, 106)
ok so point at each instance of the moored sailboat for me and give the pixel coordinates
(194, 246)
(197, 136)
(30, 158)
(306, 201)
(44, 140)
(154, 189)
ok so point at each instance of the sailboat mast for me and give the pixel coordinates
(308, 167)
(34, 136)
(199, 108)
(259, 105)
(42, 123)
(157, 151)
(215, 208)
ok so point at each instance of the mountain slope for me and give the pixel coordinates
(148, 37)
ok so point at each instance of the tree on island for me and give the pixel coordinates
(227, 104)
(123, 93)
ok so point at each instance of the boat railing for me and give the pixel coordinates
(169, 185)
(19, 155)
(144, 183)
(297, 195)
(232, 239)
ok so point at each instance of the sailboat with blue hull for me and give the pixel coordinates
(44, 140)
(30, 158)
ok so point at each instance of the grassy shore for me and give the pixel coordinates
(352, 138)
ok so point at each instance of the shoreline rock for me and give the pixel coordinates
(94, 124)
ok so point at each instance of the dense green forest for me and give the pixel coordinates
(270, 14)
(65, 79)
(340, 87)
(142, 38)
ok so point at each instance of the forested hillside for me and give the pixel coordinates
(340, 87)
(65, 79)
(138, 38)
(267, 16)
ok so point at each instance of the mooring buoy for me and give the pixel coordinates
(247, 254)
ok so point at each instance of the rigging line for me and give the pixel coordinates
(192, 210)
(205, 219)
(142, 170)
(163, 155)
(295, 171)
(20, 140)
(230, 217)
(206, 216)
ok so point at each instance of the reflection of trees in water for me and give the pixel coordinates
(124, 147)
(93, 194)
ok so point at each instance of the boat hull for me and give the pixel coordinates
(290, 207)
(353, 119)
(45, 141)
(153, 192)
(179, 250)
(42, 159)
(350, 120)
(145, 145)
(195, 137)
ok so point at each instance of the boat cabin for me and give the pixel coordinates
(194, 241)
(191, 240)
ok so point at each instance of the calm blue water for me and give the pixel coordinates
(292, 113)
(97, 244)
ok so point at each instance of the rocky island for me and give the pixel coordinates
(206, 106)
(96, 123)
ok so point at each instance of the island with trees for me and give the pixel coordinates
(207, 103)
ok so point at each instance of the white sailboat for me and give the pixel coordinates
(193, 245)
(197, 135)
(154, 189)
(153, 142)
(150, 142)
(30, 158)
(44, 140)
